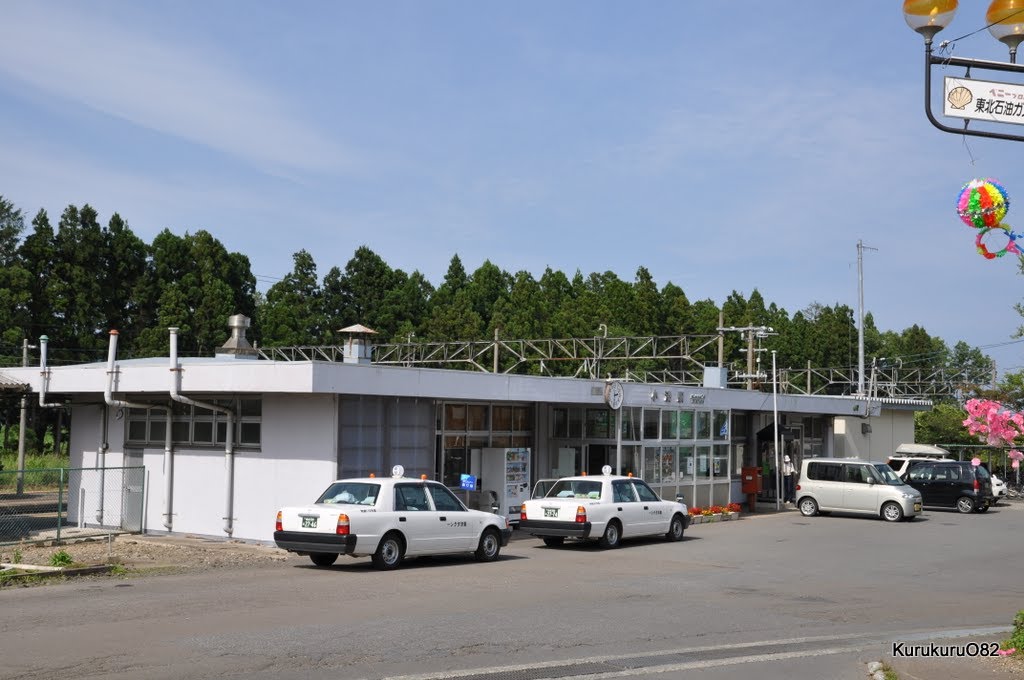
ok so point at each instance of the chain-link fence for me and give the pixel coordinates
(62, 503)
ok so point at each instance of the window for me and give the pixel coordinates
(198, 426)
(703, 425)
(669, 425)
(686, 462)
(645, 492)
(410, 497)
(857, 474)
(599, 425)
(444, 500)
(720, 427)
(686, 424)
(622, 491)
(825, 472)
(652, 417)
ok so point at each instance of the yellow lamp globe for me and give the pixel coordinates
(1006, 22)
(928, 17)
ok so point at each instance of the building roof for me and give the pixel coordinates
(11, 384)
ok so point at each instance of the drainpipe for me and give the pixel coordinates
(44, 371)
(108, 398)
(229, 448)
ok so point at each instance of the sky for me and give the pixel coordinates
(724, 146)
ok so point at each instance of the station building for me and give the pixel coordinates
(227, 440)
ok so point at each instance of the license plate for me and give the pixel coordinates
(309, 522)
(551, 512)
(917, 507)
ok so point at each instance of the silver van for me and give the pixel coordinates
(855, 486)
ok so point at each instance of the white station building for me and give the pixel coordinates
(227, 440)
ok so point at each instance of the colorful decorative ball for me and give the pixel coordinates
(982, 203)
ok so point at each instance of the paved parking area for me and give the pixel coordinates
(769, 596)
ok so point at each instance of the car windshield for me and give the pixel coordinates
(356, 493)
(575, 488)
(887, 475)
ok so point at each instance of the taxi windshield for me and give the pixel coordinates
(575, 488)
(357, 493)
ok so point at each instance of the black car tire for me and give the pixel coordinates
(490, 546)
(675, 529)
(612, 535)
(389, 552)
(323, 559)
(554, 541)
(808, 507)
(892, 512)
(965, 504)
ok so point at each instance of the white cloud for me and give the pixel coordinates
(182, 91)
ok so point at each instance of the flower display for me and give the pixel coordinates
(993, 424)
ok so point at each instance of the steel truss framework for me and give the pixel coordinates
(587, 357)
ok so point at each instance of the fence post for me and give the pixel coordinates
(60, 503)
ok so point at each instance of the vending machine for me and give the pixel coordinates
(507, 472)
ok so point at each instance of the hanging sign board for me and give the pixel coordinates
(983, 100)
(467, 482)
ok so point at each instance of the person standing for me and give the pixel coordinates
(788, 480)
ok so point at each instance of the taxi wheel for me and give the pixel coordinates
(554, 541)
(389, 552)
(612, 535)
(323, 559)
(675, 529)
(490, 546)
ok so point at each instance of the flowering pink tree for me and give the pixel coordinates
(996, 426)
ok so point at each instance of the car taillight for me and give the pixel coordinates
(977, 485)
(277, 527)
(342, 525)
(797, 487)
(522, 512)
(581, 514)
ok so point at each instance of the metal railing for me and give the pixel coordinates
(58, 504)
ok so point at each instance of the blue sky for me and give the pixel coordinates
(722, 145)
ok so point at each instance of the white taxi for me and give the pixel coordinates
(607, 508)
(389, 519)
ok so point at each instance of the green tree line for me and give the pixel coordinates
(79, 279)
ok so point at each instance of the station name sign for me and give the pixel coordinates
(984, 100)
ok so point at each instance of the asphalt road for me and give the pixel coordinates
(772, 596)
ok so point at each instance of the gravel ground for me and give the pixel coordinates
(153, 554)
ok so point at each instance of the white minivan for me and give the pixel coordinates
(855, 486)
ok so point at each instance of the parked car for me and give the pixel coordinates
(541, 488)
(606, 508)
(909, 454)
(855, 486)
(998, 489)
(952, 484)
(389, 519)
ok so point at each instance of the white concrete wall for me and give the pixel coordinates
(297, 461)
(888, 430)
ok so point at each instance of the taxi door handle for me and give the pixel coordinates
(401, 519)
(443, 519)
(646, 508)
(619, 508)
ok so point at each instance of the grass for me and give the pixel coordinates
(1016, 639)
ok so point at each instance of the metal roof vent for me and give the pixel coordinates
(237, 346)
(357, 347)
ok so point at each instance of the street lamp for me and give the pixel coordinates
(965, 97)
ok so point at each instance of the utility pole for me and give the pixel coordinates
(860, 313)
(751, 332)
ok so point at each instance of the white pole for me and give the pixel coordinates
(860, 317)
(775, 414)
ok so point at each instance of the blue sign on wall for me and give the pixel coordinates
(467, 482)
